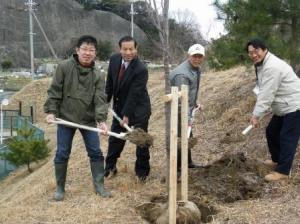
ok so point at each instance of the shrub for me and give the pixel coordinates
(6, 64)
(104, 49)
(25, 148)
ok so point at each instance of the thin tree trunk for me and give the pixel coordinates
(295, 44)
(29, 168)
(166, 59)
(162, 24)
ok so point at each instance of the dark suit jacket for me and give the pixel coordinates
(130, 95)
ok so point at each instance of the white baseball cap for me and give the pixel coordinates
(196, 49)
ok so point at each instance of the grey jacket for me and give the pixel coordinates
(279, 87)
(185, 74)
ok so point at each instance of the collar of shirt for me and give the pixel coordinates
(126, 63)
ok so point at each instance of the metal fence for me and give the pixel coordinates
(23, 122)
(13, 123)
(5, 166)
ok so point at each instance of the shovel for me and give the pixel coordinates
(246, 130)
(137, 136)
(189, 130)
(191, 141)
(71, 124)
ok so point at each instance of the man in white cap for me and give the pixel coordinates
(188, 73)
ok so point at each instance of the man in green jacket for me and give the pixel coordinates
(77, 94)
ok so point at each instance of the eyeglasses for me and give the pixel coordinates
(88, 50)
(255, 51)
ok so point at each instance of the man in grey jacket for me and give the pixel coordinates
(188, 73)
(279, 89)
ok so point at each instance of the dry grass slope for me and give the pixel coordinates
(227, 98)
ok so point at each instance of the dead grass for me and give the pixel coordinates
(227, 99)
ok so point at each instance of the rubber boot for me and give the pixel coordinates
(60, 175)
(97, 169)
(191, 164)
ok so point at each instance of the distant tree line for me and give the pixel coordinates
(276, 21)
(182, 33)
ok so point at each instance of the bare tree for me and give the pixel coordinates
(184, 31)
(160, 16)
(185, 17)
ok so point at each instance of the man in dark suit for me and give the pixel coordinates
(126, 84)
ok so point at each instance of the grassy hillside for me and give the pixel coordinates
(230, 189)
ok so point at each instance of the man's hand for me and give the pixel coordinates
(125, 120)
(50, 118)
(103, 127)
(254, 122)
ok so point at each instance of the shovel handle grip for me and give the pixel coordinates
(246, 130)
(120, 120)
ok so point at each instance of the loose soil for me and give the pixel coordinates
(139, 137)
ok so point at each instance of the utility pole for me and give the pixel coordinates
(30, 5)
(132, 12)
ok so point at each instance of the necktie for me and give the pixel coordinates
(121, 72)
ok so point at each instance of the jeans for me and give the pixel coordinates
(282, 136)
(64, 144)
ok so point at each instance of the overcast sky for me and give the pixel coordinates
(205, 13)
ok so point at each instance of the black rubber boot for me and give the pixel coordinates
(60, 175)
(97, 169)
(110, 172)
(191, 164)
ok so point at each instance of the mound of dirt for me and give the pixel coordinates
(34, 94)
(187, 212)
(231, 178)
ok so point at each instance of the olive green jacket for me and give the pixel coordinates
(77, 94)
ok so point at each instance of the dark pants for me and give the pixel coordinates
(190, 160)
(282, 136)
(115, 148)
(64, 144)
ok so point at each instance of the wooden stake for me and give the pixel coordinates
(173, 156)
(184, 143)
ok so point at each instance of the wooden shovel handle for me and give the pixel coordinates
(120, 120)
(246, 130)
(72, 124)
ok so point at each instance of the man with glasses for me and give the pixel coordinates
(77, 94)
(278, 89)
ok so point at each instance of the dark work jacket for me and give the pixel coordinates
(130, 95)
(77, 94)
